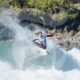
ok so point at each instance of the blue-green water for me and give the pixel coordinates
(20, 55)
(20, 63)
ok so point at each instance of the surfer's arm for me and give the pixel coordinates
(50, 35)
(34, 40)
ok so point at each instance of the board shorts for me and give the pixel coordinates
(41, 42)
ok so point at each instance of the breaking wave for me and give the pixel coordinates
(20, 59)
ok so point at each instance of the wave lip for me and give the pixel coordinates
(75, 53)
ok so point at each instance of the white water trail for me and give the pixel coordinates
(22, 45)
(10, 21)
(20, 36)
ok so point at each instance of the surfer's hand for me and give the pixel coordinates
(33, 40)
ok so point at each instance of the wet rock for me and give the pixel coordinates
(36, 16)
(77, 36)
(65, 44)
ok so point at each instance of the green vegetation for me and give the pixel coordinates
(60, 16)
(43, 5)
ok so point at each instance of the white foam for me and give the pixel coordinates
(75, 53)
(37, 74)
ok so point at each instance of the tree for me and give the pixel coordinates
(21, 3)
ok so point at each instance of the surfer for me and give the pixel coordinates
(40, 40)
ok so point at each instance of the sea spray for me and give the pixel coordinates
(22, 45)
(57, 65)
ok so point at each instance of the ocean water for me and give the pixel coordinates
(21, 60)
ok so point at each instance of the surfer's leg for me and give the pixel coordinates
(44, 41)
(42, 46)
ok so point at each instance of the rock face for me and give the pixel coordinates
(68, 45)
(67, 40)
(36, 16)
(77, 36)
(75, 1)
(5, 33)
